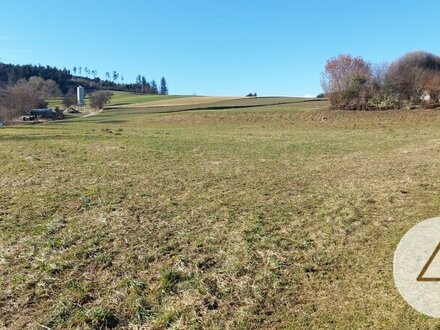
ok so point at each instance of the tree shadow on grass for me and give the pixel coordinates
(118, 104)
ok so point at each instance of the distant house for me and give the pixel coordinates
(425, 96)
(46, 113)
(43, 113)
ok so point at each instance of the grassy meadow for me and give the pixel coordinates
(121, 98)
(284, 215)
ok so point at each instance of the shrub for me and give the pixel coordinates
(99, 99)
(345, 81)
(414, 74)
(412, 80)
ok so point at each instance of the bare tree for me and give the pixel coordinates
(99, 99)
(346, 81)
(70, 98)
(26, 95)
(379, 87)
(46, 88)
(3, 108)
(409, 75)
(3, 113)
(22, 98)
(432, 85)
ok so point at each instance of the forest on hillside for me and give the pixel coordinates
(10, 74)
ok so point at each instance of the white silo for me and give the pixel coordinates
(80, 95)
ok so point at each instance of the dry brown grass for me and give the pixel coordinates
(273, 217)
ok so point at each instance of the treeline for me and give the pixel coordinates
(409, 82)
(150, 87)
(10, 74)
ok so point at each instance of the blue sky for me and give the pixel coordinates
(215, 47)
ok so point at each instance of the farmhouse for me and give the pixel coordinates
(43, 113)
(46, 113)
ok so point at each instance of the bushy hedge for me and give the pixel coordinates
(409, 82)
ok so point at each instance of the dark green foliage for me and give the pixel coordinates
(154, 89)
(163, 86)
(11, 73)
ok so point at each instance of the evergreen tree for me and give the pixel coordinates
(115, 76)
(154, 89)
(163, 86)
(10, 74)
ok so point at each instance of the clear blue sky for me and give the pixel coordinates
(215, 47)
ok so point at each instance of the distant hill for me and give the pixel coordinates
(11, 73)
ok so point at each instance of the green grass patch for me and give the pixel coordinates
(124, 98)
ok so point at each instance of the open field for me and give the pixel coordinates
(179, 101)
(277, 216)
(122, 99)
(211, 101)
(214, 103)
(126, 98)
